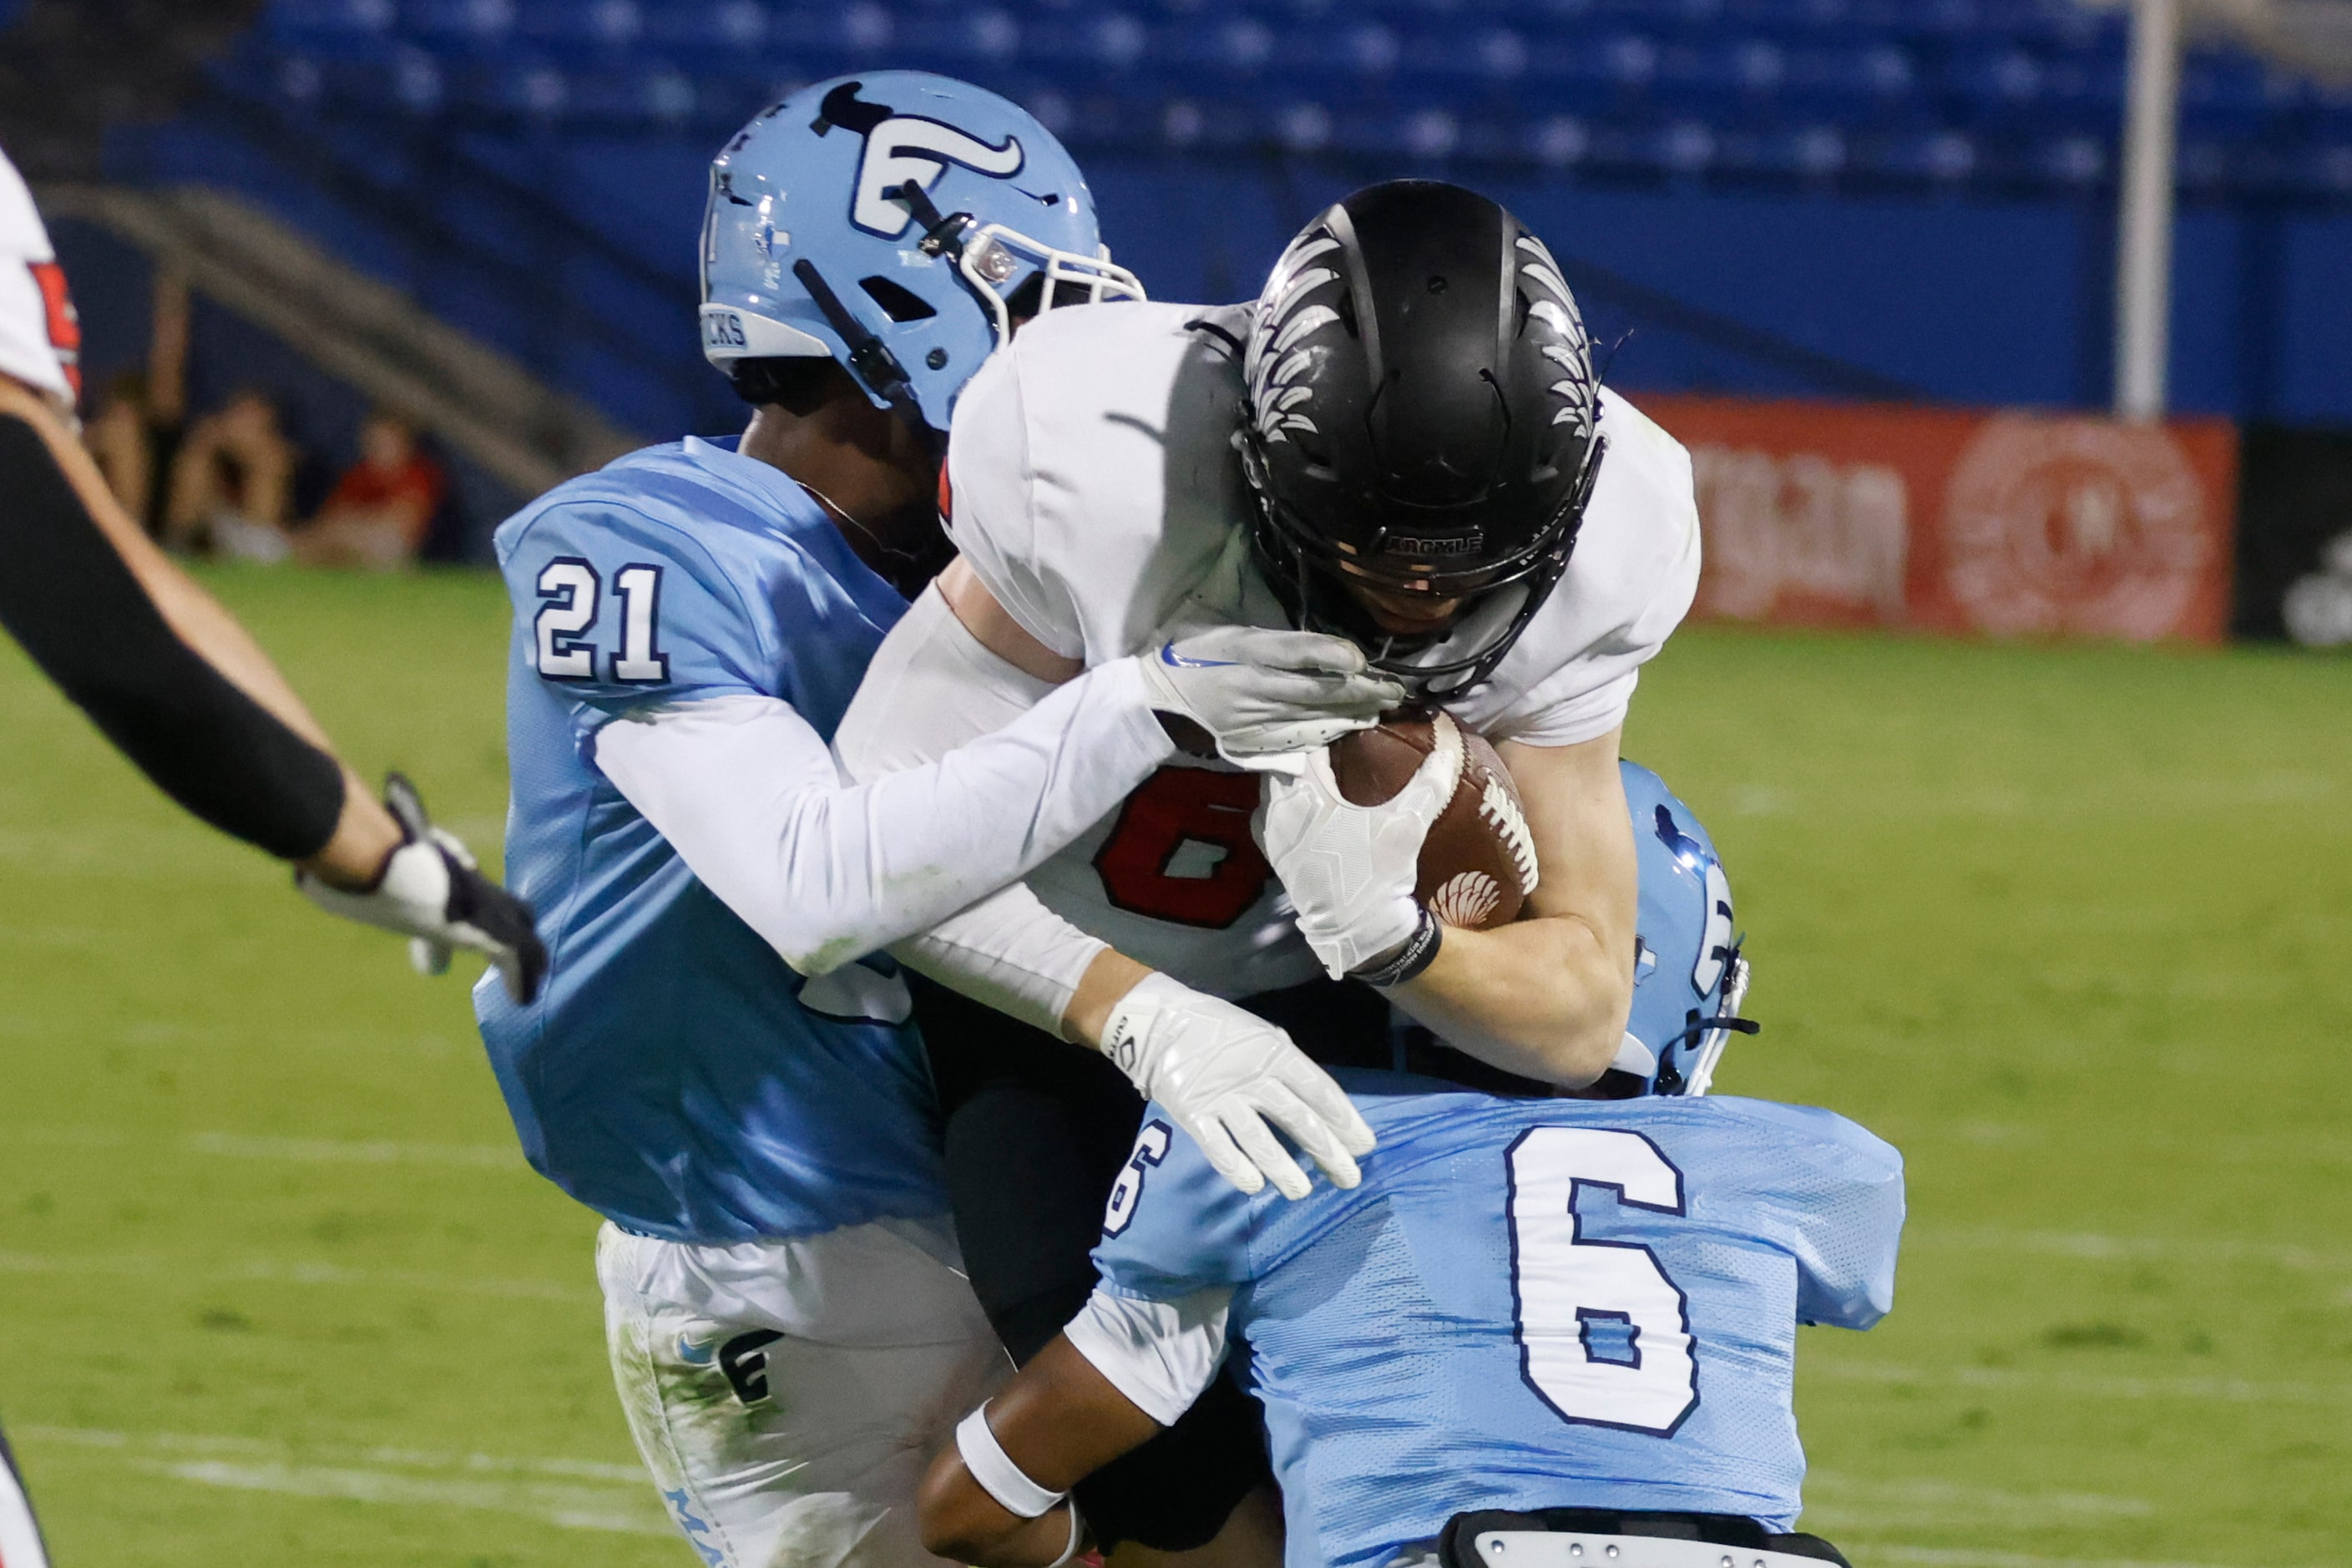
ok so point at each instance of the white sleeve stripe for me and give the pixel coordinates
(1160, 1354)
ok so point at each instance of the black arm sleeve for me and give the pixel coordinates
(69, 597)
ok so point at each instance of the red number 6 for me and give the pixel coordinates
(1174, 808)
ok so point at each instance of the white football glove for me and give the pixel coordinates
(1224, 1073)
(1259, 692)
(431, 892)
(1350, 870)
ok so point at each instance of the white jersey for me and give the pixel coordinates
(1097, 492)
(41, 340)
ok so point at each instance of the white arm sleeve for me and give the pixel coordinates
(1160, 1354)
(748, 793)
(932, 687)
(1010, 952)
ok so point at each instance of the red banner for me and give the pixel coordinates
(2010, 524)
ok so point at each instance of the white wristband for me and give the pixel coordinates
(993, 1468)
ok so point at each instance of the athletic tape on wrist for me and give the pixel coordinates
(1415, 956)
(998, 1476)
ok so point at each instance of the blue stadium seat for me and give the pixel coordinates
(305, 20)
(709, 36)
(1996, 94)
(1945, 158)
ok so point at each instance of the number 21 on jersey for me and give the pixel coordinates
(1604, 1334)
(570, 592)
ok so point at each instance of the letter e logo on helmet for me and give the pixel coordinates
(902, 147)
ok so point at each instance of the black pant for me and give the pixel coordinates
(1038, 1131)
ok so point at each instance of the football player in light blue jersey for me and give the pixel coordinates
(1566, 1316)
(721, 1062)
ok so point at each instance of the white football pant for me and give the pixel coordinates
(788, 1395)
(20, 1538)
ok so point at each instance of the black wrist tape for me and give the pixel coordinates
(1408, 961)
(72, 602)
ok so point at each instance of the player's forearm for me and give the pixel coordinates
(194, 616)
(1056, 1422)
(1541, 998)
(74, 598)
(1107, 980)
(911, 848)
(964, 1524)
(748, 795)
(1011, 953)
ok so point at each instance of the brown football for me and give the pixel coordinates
(1478, 863)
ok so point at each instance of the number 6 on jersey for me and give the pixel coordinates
(1604, 1335)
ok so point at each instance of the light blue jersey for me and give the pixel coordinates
(676, 1074)
(1528, 1304)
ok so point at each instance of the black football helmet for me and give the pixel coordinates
(1420, 417)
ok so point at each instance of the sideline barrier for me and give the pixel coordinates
(2007, 524)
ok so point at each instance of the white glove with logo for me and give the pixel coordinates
(430, 890)
(1350, 870)
(1224, 1073)
(1258, 693)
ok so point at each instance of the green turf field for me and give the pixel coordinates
(2069, 926)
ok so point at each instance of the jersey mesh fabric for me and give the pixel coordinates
(670, 1075)
(1383, 1324)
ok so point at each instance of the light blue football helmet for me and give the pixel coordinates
(897, 222)
(1688, 975)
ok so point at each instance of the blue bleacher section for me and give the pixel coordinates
(1990, 95)
(1840, 198)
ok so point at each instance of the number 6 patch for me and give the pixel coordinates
(1604, 1334)
(1151, 1148)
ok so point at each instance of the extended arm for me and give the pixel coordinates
(748, 793)
(1548, 995)
(178, 685)
(159, 667)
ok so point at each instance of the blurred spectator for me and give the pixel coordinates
(233, 481)
(135, 431)
(382, 508)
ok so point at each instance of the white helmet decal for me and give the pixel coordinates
(902, 147)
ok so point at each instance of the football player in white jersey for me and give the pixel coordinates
(1401, 440)
(181, 688)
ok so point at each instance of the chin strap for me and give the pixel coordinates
(870, 359)
(1717, 1031)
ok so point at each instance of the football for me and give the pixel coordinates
(1478, 863)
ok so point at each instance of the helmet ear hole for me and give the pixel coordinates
(898, 303)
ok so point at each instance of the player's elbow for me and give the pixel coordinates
(1585, 1039)
(959, 1521)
